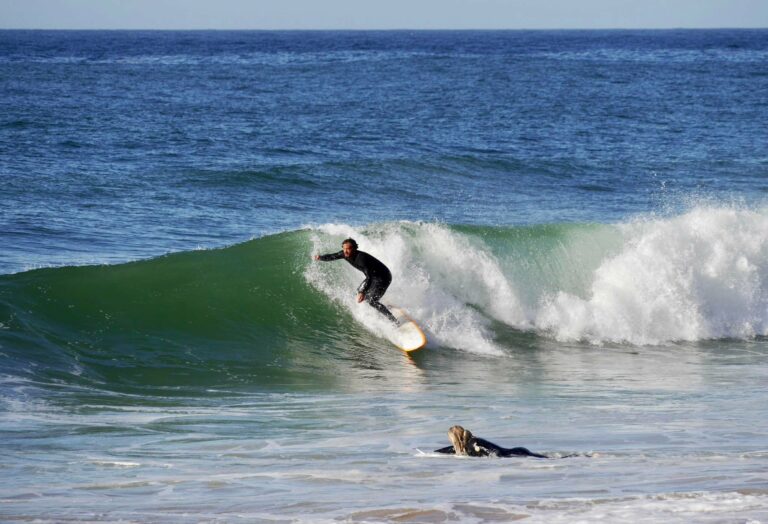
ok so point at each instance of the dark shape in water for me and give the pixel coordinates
(464, 443)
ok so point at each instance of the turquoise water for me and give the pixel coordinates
(577, 220)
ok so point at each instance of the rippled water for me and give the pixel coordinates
(576, 218)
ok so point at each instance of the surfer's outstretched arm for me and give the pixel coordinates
(448, 450)
(330, 256)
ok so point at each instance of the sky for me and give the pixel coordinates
(381, 14)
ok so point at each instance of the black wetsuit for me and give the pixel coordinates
(483, 448)
(377, 278)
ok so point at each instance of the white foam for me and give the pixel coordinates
(698, 276)
(441, 278)
(667, 507)
(116, 463)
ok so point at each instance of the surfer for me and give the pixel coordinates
(464, 443)
(377, 275)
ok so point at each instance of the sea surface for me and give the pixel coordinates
(578, 219)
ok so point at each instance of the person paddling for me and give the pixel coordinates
(377, 275)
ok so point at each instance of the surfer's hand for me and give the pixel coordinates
(360, 297)
(316, 257)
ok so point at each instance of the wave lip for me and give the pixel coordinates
(702, 275)
(697, 276)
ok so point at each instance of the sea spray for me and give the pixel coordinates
(448, 284)
(696, 276)
(701, 275)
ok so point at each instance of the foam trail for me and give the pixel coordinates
(701, 275)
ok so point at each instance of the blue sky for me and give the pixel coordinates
(380, 14)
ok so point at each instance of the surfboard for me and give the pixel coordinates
(409, 337)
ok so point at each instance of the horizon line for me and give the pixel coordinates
(393, 29)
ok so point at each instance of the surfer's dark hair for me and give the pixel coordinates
(351, 242)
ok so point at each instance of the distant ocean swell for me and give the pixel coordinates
(263, 311)
(247, 56)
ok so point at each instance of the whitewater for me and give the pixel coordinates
(701, 275)
(218, 385)
(578, 220)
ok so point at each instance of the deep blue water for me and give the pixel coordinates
(120, 145)
(578, 219)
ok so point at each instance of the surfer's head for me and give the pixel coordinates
(349, 246)
(462, 441)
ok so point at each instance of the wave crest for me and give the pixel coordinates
(702, 275)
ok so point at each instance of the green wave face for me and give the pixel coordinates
(237, 315)
(259, 313)
(262, 314)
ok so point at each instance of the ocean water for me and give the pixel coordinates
(578, 219)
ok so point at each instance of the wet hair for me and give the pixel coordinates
(351, 242)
